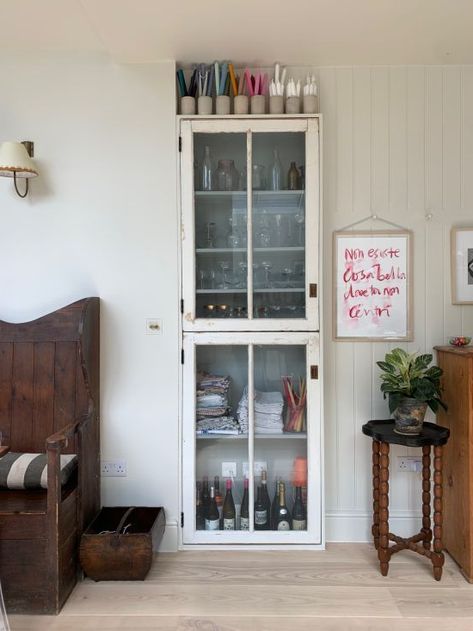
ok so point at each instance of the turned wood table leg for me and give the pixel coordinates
(438, 558)
(375, 527)
(426, 508)
(383, 549)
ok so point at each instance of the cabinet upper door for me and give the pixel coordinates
(250, 196)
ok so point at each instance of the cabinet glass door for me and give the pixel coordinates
(250, 195)
(252, 432)
(220, 216)
(278, 206)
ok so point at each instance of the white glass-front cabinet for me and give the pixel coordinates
(251, 410)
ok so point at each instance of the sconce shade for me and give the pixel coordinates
(14, 160)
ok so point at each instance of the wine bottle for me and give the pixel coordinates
(265, 496)
(244, 511)
(206, 171)
(261, 512)
(218, 499)
(293, 178)
(275, 506)
(283, 517)
(199, 509)
(212, 521)
(229, 508)
(299, 513)
(205, 496)
(276, 172)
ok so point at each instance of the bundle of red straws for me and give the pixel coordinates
(296, 404)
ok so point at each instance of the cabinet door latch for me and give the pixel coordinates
(180, 144)
(314, 372)
(313, 290)
(182, 520)
(182, 355)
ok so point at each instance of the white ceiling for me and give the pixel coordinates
(296, 32)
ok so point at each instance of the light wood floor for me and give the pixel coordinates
(339, 589)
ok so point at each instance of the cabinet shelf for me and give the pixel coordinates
(265, 194)
(289, 249)
(266, 290)
(284, 436)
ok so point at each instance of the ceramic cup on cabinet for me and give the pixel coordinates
(293, 105)
(258, 104)
(240, 104)
(310, 104)
(222, 105)
(187, 105)
(204, 105)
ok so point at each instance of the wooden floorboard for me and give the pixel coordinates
(339, 589)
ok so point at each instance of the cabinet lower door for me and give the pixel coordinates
(252, 439)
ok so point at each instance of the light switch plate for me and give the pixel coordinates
(154, 326)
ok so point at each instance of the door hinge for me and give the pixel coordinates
(182, 355)
(182, 520)
(180, 144)
(314, 372)
(313, 290)
(182, 305)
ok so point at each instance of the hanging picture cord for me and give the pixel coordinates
(372, 218)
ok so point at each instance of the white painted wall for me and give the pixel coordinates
(102, 220)
(398, 142)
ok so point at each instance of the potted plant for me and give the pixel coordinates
(410, 384)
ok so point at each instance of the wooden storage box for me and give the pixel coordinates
(118, 545)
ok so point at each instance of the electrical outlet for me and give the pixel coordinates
(260, 466)
(229, 470)
(409, 463)
(113, 468)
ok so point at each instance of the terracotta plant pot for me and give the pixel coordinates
(409, 416)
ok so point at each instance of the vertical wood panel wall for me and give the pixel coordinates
(398, 142)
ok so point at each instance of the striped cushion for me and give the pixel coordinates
(30, 471)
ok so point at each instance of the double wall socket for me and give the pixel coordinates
(409, 463)
(113, 468)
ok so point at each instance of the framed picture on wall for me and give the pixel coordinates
(462, 266)
(372, 285)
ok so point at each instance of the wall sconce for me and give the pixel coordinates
(16, 162)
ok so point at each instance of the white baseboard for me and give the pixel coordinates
(169, 542)
(356, 527)
(339, 527)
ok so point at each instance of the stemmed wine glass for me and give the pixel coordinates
(267, 266)
(286, 273)
(224, 266)
(243, 268)
(299, 219)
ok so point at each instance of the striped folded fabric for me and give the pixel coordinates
(30, 471)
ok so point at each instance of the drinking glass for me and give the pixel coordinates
(299, 220)
(210, 230)
(202, 278)
(267, 266)
(225, 266)
(243, 269)
(286, 274)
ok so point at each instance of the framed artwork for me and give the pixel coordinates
(372, 285)
(462, 266)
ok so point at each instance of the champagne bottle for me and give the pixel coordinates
(206, 171)
(199, 509)
(275, 506)
(299, 514)
(205, 496)
(293, 178)
(261, 512)
(276, 172)
(229, 508)
(265, 496)
(244, 511)
(218, 499)
(212, 521)
(283, 517)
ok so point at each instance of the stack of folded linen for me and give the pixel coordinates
(212, 405)
(268, 412)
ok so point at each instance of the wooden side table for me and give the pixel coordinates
(382, 433)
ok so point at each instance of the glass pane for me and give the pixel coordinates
(280, 453)
(221, 440)
(220, 225)
(279, 225)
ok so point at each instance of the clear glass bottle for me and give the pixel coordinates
(275, 183)
(206, 171)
